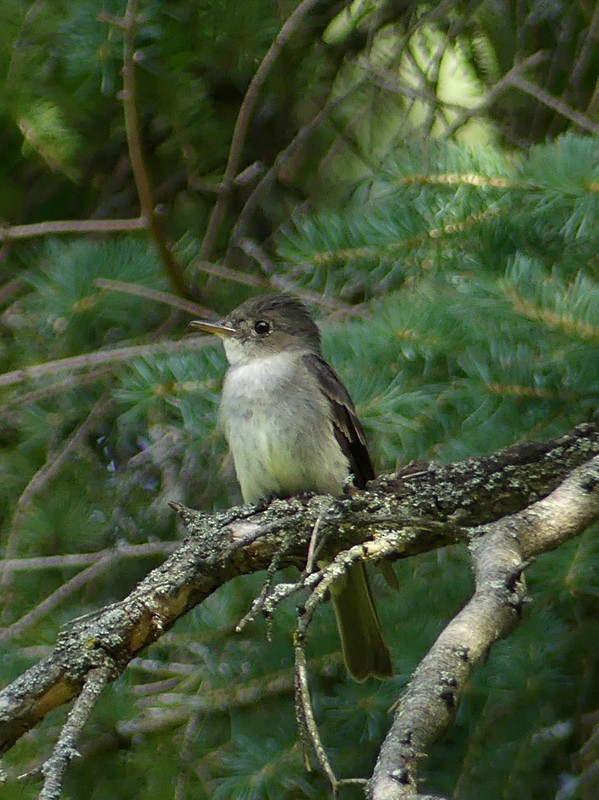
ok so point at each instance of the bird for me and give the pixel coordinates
(292, 428)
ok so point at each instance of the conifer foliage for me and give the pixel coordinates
(427, 180)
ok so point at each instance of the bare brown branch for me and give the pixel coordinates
(43, 476)
(243, 118)
(14, 232)
(543, 97)
(151, 294)
(85, 559)
(92, 360)
(140, 173)
(300, 138)
(58, 596)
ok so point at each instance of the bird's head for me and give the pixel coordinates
(265, 326)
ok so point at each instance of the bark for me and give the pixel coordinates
(510, 506)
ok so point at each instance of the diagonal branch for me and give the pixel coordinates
(55, 767)
(65, 590)
(582, 120)
(407, 513)
(500, 551)
(137, 290)
(266, 181)
(43, 476)
(243, 119)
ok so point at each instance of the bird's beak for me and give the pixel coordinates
(213, 327)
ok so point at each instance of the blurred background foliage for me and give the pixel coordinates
(425, 176)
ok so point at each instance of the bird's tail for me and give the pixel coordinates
(364, 649)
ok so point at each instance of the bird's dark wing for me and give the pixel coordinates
(348, 430)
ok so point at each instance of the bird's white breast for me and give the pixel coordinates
(278, 426)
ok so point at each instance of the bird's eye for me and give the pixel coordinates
(262, 327)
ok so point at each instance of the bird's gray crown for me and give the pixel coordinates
(275, 322)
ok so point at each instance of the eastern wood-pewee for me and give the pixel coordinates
(292, 427)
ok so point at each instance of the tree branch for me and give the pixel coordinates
(92, 360)
(242, 122)
(55, 767)
(11, 233)
(137, 290)
(266, 181)
(142, 181)
(582, 120)
(407, 513)
(43, 476)
(500, 551)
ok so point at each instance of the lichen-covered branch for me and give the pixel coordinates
(423, 508)
(500, 551)
(65, 750)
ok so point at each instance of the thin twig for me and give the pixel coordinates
(242, 123)
(557, 105)
(10, 234)
(498, 88)
(152, 294)
(270, 598)
(55, 767)
(275, 281)
(11, 287)
(229, 274)
(57, 597)
(22, 399)
(588, 49)
(140, 174)
(539, 126)
(315, 545)
(308, 728)
(85, 559)
(91, 360)
(319, 583)
(304, 713)
(258, 254)
(282, 158)
(44, 475)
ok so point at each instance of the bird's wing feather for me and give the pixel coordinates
(348, 430)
